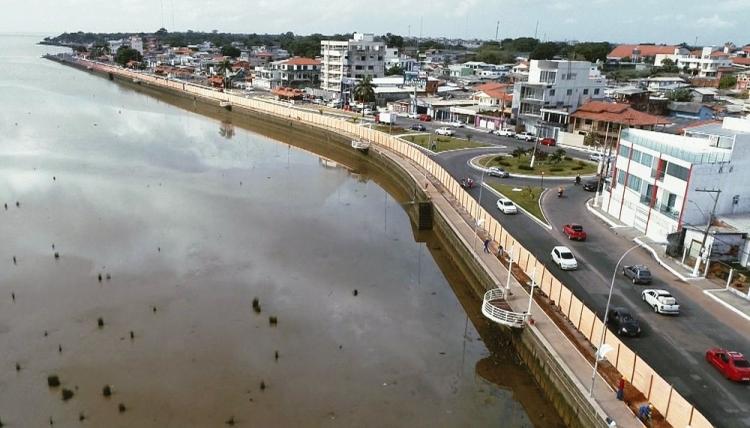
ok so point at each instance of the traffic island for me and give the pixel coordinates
(526, 197)
(555, 164)
(437, 143)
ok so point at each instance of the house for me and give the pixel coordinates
(688, 110)
(284, 93)
(296, 72)
(703, 95)
(743, 81)
(638, 98)
(640, 53)
(554, 89)
(705, 62)
(605, 120)
(657, 177)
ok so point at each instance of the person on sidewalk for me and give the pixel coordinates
(487, 246)
(500, 251)
(621, 389)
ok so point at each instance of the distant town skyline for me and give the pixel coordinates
(625, 21)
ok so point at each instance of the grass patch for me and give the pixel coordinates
(520, 165)
(528, 198)
(443, 143)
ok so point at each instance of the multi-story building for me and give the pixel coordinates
(353, 59)
(294, 73)
(136, 43)
(553, 90)
(706, 62)
(658, 178)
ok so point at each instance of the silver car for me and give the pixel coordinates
(495, 171)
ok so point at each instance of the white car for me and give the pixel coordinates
(661, 301)
(526, 136)
(563, 257)
(495, 171)
(455, 124)
(505, 132)
(596, 157)
(413, 115)
(444, 131)
(367, 111)
(506, 206)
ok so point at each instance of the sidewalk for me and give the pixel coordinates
(732, 301)
(577, 368)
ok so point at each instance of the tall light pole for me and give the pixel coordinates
(510, 269)
(479, 207)
(606, 316)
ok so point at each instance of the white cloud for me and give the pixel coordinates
(714, 21)
(561, 5)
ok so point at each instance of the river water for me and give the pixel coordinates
(167, 225)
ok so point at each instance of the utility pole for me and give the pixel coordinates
(536, 30)
(497, 31)
(717, 193)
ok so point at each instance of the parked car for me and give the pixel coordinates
(595, 157)
(505, 132)
(593, 185)
(496, 171)
(639, 274)
(444, 131)
(732, 365)
(413, 115)
(526, 136)
(506, 206)
(425, 117)
(367, 111)
(661, 301)
(574, 231)
(456, 124)
(623, 323)
(418, 127)
(563, 257)
(548, 142)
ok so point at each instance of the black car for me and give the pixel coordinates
(623, 323)
(418, 127)
(639, 274)
(593, 185)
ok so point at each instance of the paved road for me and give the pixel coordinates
(674, 346)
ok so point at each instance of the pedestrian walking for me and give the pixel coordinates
(487, 246)
(500, 251)
(621, 389)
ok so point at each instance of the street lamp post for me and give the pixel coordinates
(510, 269)
(479, 207)
(606, 315)
(542, 185)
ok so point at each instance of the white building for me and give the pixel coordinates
(703, 63)
(656, 177)
(294, 72)
(553, 90)
(136, 43)
(353, 59)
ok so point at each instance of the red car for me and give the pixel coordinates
(574, 231)
(732, 365)
(548, 142)
(425, 118)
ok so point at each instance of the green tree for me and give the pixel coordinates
(557, 156)
(591, 140)
(224, 68)
(393, 41)
(125, 54)
(680, 95)
(364, 91)
(727, 82)
(546, 50)
(668, 66)
(230, 51)
(161, 32)
(518, 152)
(396, 70)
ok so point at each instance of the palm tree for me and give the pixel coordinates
(364, 91)
(224, 67)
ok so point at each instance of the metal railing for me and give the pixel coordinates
(499, 315)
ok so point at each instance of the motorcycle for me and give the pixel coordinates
(467, 183)
(560, 192)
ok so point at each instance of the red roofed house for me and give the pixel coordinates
(706, 62)
(296, 72)
(606, 119)
(742, 62)
(639, 53)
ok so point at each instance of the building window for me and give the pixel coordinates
(677, 171)
(646, 159)
(596, 91)
(362, 58)
(551, 92)
(625, 151)
(634, 183)
(358, 67)
(380, 58)
(586, 91)
(570, 92)
(620, 177)
(370, 67)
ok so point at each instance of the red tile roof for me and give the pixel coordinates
(299, 60)
(285, 92)
(625, 51)
(741, 61)
(617, 113)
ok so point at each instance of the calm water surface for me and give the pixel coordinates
(188, 220)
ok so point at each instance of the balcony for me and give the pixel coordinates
(646, 200)
(668, 211)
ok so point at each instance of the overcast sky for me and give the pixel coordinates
(670, 21)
